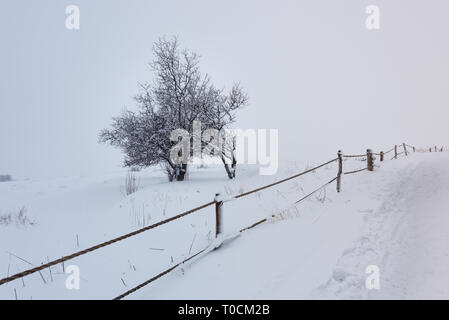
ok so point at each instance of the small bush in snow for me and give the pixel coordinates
(5, 219)
(321, 197)
(5, 177)
(20, 218)
(202, 166)
(286, 214)
(138, 215)
(131, 184)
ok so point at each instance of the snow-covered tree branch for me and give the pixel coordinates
(179, 95)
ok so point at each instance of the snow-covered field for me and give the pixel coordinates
(395, 218)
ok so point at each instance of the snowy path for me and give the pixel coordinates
(407, 237)
(417, 259)
(396, 218)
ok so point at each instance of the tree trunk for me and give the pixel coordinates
(182, 172)
(230, 169)
(227, 168)
(234, 165)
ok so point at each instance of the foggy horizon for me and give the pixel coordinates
(311, 69)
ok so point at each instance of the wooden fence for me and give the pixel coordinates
(219, 202)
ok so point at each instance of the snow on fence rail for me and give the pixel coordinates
(219, 202)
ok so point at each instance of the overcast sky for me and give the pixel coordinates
(311, 69)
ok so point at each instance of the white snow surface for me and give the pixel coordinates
(395, 218)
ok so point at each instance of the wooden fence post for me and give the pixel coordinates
(218, 215)
(340, 170)
(413, 149)
(441, 149)
(381, 156)
(435, 148)
(395, 151)
(430, 149)
(405, 149)
(369, 160)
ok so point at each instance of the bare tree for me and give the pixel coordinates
(219, 114)
(178, 96)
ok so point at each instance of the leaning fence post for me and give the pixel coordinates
(340, 170)
(381, 156)
(218, 215)
(405, 149)
(369, 160)
(395, 151)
